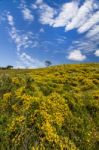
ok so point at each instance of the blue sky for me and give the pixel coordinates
(62, 31)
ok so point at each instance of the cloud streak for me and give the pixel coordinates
(27, 61)
(22, 42)
(26, 12)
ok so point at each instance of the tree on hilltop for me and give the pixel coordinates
(9, 67)
(48, 63)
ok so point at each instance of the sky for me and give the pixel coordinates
(61, 31)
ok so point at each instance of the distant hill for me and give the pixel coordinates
(55, 108)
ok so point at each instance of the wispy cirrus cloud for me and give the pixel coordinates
(38, 2)
(26, 12)
(10, 19)
(85, 45)
(28, 61)
(47, 14)
(23, 40)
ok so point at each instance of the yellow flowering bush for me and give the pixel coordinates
(7, 96)
(55, 108)
(15, 80)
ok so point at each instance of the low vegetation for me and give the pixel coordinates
(56, 108)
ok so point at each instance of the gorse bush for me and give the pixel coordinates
(55, 108)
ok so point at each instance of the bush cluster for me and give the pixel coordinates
(55, 108)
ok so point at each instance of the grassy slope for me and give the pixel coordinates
(51, 108)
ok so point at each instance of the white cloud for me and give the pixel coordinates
(10, 19)
(42, 30)
(76, 55)
(46, 14)
(22, 41)
(61, 40)
(97, 53)
(38, 2)
(94, 31)
(68, 11)
(27, 14)
(90, 23)
(71, 15)
(85, 44)
(34, 6)
(83, 13)
(30, 62)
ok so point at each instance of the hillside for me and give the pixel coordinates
(56, 108)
